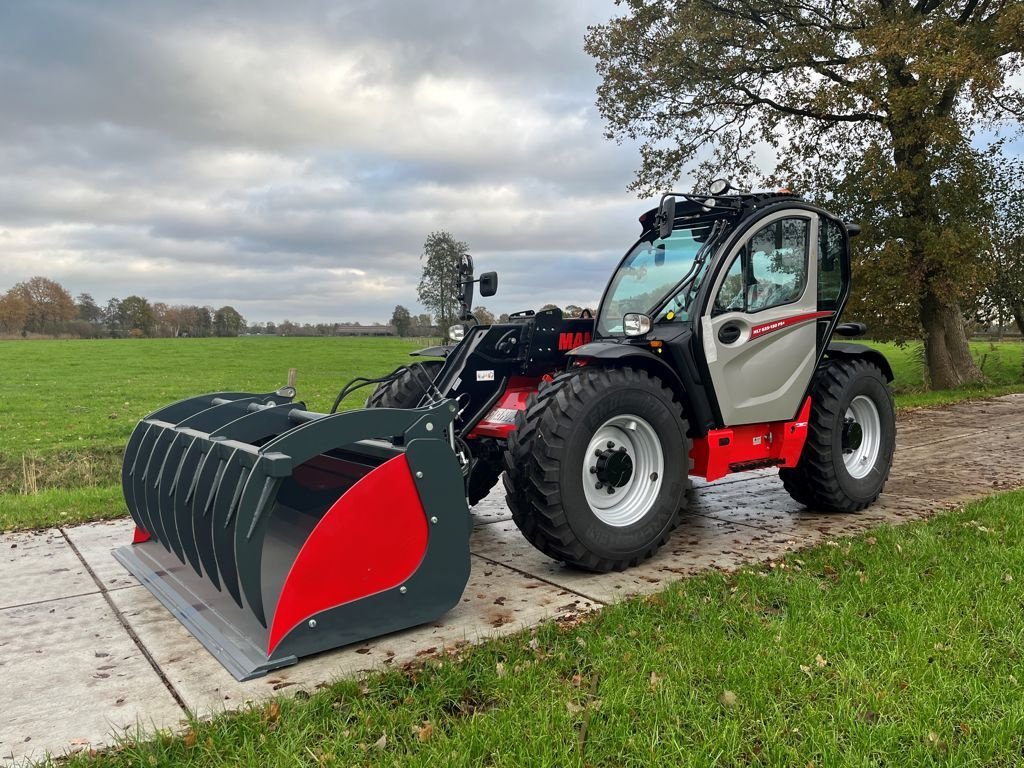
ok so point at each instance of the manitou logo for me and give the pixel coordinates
(567, 341)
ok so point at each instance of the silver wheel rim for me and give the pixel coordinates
(631, 501)
(860, 460)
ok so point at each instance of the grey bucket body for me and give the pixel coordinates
(230, 487)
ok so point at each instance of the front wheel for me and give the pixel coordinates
(851, 437)
(597, 467)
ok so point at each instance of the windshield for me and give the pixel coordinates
(652, 270)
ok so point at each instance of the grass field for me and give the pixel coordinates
(881, 650)
(70, 406)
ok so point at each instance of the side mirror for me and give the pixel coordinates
(666, 217)
(635, 324)
(488, 284)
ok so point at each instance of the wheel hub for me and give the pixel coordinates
(853, 435)
(614, 467)
(861, 439)
(623, 470)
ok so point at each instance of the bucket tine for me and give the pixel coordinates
(229, 491)
(170, 474)
(184, 489)
(205, 468)
(150, 478)
(137, 478)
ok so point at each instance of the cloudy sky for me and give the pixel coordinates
(290, 158)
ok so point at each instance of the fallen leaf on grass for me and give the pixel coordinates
(655, 679)
(820, 660)
(805, 669)
(425, 732)
(382, 741)
(573, 707)
(965, 729)
(727, 699)
(273, 712)
(500, 668)
(190, 739)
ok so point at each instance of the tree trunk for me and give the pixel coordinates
(1018, 317)
(949, 356)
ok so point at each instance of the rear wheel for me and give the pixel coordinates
(597, 467)
(408, 388)
(850, 439)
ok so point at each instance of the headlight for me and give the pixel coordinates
(719, 187)
(635, 324)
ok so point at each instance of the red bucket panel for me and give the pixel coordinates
(371, 539)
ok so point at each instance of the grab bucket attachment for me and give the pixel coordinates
(272, 532)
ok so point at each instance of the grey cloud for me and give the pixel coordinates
(290, 158)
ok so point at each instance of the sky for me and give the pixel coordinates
(289, 159)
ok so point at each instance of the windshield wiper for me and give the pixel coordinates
(717, 229)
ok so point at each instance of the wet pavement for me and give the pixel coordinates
(87, 654)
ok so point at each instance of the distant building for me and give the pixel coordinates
(345, 329)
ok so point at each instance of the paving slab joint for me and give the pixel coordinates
(535, 577)
(128, 629)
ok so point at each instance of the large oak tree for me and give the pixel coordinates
(875, 101)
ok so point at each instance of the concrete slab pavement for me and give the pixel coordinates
(65, 602)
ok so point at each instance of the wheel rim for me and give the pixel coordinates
(862, 436)
(625, 456)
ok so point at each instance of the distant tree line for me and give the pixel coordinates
(40, 306)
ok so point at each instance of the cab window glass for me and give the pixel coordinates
(769, 271)
(831, 240)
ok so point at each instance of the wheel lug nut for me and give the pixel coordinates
(598, 453)
(654, 476)
(599, 486)
(611, 489)
(611, 444)
(593, 470)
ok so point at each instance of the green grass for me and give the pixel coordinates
(1001, 362)
(901, 647)
(70, 406)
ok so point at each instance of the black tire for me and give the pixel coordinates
(545, 457)
(407, 389)
(821, 479)
(482, 480)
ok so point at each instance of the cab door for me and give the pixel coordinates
(759, 326)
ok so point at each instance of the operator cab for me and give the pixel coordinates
(737, 293)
